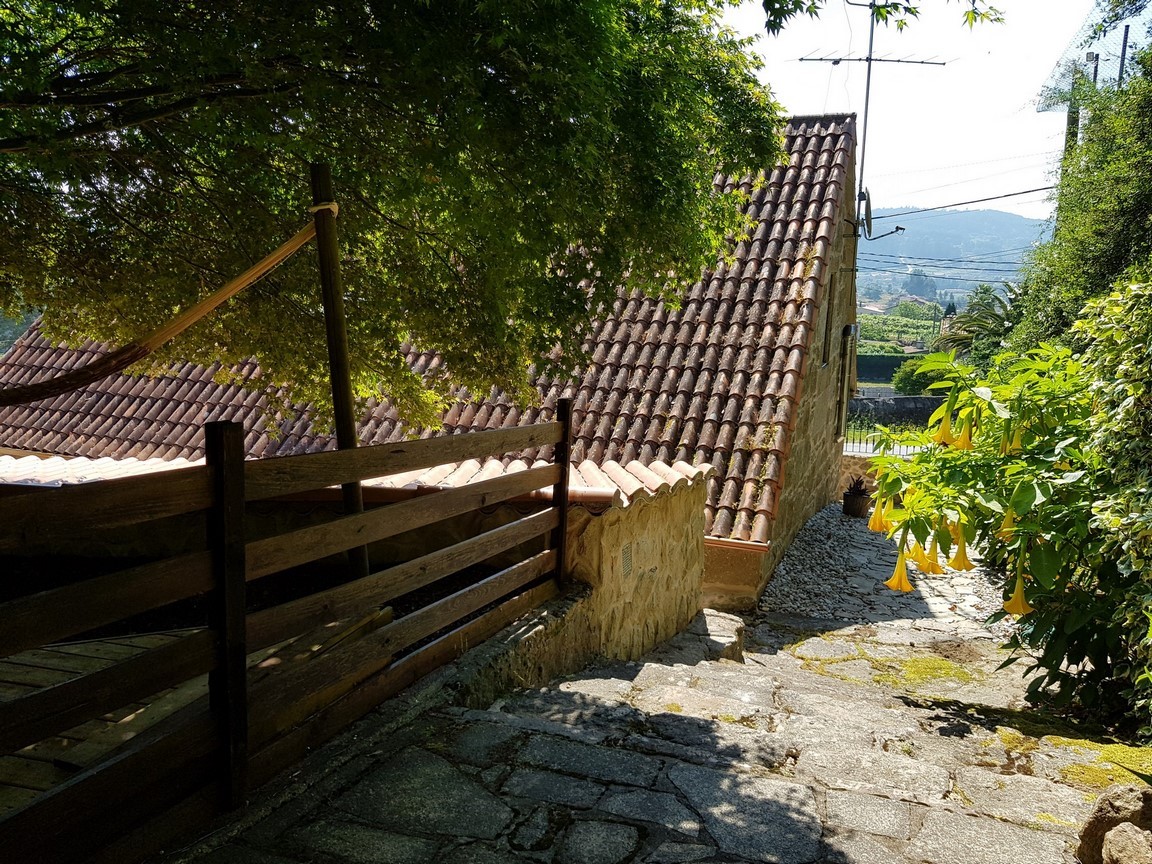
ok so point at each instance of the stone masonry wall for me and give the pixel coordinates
(813, 464)
(644, 564)
(854, 465)
(623, 608)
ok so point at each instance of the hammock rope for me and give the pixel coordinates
(122, 358)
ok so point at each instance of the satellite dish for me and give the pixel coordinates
(867, 213)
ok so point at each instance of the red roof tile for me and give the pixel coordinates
(714, 382)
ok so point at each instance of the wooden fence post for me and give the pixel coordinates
(336, 330)
(228, 682)
(561, 454)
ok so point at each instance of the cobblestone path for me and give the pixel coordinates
(856, 726)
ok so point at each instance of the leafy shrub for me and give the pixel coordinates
(910, 379)
(1045, 463)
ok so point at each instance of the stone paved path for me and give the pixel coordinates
(857, 727)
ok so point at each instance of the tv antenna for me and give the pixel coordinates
(863, 200)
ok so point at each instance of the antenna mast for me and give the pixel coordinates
(869, 60)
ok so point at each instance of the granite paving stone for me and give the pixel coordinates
(658, 807)
(597, 843)
(585, 760)
(756, 817)
(361, 844)
(869, 813)
(554, 788)
(953, 838)
(679, 853)
(424, 793)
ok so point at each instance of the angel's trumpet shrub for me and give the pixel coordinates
(899, 580)
(1017, 604)
(960, 556)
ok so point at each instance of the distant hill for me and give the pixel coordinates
(955, 250)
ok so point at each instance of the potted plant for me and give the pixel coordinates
(856, 498)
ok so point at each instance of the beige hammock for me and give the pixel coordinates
(122, 358)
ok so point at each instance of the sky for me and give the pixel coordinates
(937, 135)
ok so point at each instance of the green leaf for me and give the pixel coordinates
(1045, 563)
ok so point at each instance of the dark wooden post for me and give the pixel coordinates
(339, 365)
(561, 454)
(228, 682)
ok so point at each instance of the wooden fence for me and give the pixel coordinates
(253, 721)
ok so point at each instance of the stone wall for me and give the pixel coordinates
(644, 564)
(895, 409)
(854, 465)
(637, 571)
(812, 469)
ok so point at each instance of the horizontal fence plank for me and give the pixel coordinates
(274, 554)
(410, 629)
(50, 616)
(42, 713)
(267, 478)
(293, 618)
(285, 701)
(69, 822)
(59, 514)
(287, 749)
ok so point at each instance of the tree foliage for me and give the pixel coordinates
(982, 330)
(500, 167)
(1104, 212)
(910, 379)
(1045, 464)
(779, 12)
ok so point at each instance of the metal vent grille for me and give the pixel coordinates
(626, 559)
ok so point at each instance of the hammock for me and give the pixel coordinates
(122, 358)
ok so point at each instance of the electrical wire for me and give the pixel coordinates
(950, 269)
(914, 259)
(929, 275)
(976, 258)
(962, 203)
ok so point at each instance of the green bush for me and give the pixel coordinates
(1045, 463)
(910, 380)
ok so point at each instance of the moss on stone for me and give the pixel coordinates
(1113, 763)
(1049, 819)
(1014, 741)
(916, 671)
(1091, 776)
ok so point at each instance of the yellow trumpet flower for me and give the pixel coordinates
(960, 556)
(1004, 532)
(899, 580)
(879, 520)
(1017, 604)
(932, 557)
(964, 440)
(943, 435)
(916, 553)
(1017, 444)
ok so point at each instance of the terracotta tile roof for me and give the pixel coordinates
(714, 382)
(610, 483)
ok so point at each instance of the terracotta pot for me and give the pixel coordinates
(856, 505)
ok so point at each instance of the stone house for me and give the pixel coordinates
(746, 382)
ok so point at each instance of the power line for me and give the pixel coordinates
(950, 269)
(929, 275)
(962, 203)
(915, 259)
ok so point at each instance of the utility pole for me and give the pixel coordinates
(1123, 56)
(870, 59)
